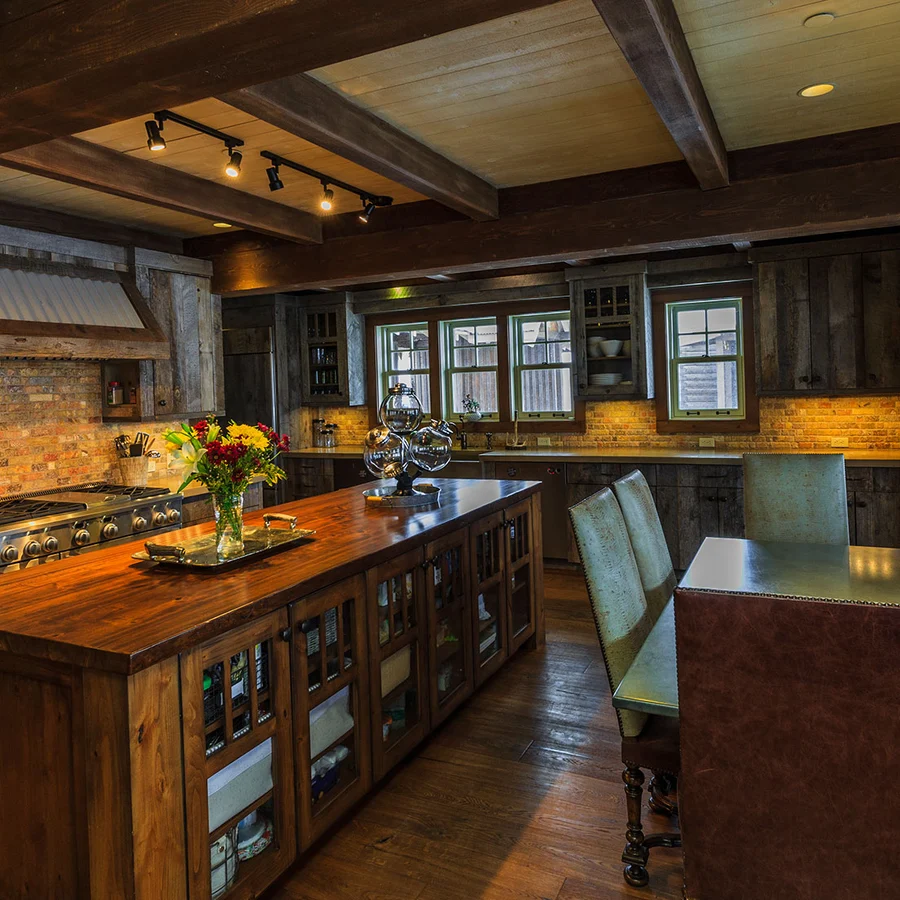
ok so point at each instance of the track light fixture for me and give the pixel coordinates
(368, 209)
(155, 140)
(233, 167)
(275, 183)
(370, 201)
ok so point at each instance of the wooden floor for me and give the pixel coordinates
(518, 797)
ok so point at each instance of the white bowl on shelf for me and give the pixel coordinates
(594, 350)
(611, 348)
(605, 379)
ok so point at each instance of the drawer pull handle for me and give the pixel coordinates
(285, 634)
(290, 521)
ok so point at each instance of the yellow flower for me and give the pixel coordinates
(248, 435)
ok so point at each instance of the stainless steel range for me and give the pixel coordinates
(36, 528)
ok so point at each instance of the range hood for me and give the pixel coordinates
(62, 311)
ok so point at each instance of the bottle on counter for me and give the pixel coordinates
(115, 396)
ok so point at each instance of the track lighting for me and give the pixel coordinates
(370, 202)
(233, 169)
(155, 141)
(368, 209)
(275, 183)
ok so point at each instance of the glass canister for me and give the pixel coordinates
(385, 453)
(430, 445)
(400, 411)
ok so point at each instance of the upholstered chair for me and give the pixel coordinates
(796, 498)
(645, 532)
(623, 622)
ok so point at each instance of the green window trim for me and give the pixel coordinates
(518, 367)
(383, 335)
(675, 360)
(449, 369)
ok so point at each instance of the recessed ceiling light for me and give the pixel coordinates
(816, 90)
(221, 224)
(819, 20)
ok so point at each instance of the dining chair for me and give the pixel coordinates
(796, 498)
(623, 621)
(648, 541)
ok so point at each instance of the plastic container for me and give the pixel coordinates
(115, 395)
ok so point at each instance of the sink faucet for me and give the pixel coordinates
(463, 440)
(490, 440)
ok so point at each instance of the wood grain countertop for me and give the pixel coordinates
(105, 610)
(615, 454)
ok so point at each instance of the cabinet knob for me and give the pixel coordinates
(816, 378)
(861, 505)
(285, 634)
(803, 379)
(162, 403)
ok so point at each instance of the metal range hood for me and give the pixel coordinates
(61, 311)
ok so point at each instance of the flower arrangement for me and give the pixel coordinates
(225, 460)
(472, 409)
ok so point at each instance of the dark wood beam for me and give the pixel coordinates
(309, 109)
(89, 165)
(853, 197)
(650, 35)
(79, 64)
(34, 218)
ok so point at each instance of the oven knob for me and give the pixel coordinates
(9, 554)
(81, 537)
(139, 523)
(174, 516)
(32, 548)
(50, 545)
(109, 530)
(159, 519)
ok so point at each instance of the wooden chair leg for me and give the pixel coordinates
(635, 854)
(661, 802)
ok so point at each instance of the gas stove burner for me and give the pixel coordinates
(125, 490)
(24, 509)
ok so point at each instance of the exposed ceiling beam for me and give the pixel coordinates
(309, 109)
(650, 35)
(34, 218)
(75, 161)
(79, 64)
(854, 197)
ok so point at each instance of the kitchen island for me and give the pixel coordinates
(155, 709)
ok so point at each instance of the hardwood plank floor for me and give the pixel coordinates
(518, 797)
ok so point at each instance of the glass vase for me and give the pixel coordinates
(229, 510)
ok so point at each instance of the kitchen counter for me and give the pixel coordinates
(108, 611)
(886, 458)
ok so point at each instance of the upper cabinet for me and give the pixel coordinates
(829, 324)
(333, 357)
(611, 330)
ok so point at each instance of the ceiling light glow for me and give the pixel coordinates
(816, 90)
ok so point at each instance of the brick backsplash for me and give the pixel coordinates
(786, 423)
(51, 433)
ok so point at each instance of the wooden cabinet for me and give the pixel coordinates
(331, 704)
(448, 593)
(828, 323)
(489, 610)
(333, 355)
(611, 307)
(522, 547)
(398, 665)
(239, 760)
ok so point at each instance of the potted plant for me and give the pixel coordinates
(472, 409)
(225, 461)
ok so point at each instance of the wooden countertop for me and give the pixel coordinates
(617, 455)
(105, 610)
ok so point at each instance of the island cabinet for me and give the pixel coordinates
(192, 742)
(239, 759)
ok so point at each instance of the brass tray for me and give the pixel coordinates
(200, 553)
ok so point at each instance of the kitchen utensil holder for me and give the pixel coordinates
(135, 470)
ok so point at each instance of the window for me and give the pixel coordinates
(706, 359)
(542, 366)
(469, 365)
(404, 355)
(703, 359)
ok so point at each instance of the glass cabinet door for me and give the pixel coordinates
(331, 708)
(489, 612)
(236, 713)
(520, 573)
(447, 595)
(397, 667)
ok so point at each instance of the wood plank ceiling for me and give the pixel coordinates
(753, 57)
